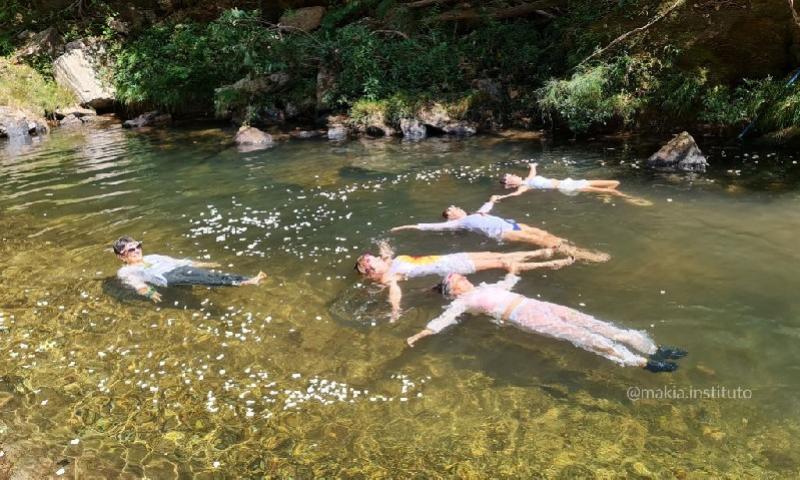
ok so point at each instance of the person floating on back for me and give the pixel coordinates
(567, 186)
(388, 270)
(624, 346)
(145, 272)
(502, 229)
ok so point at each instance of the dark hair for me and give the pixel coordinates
(444, 212)
(438, 288)
(121, 243)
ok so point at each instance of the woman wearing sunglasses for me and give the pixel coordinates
(144, 272)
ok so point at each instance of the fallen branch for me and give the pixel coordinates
(795, 15)
(624, 36)
(511, 12)
(428, 3)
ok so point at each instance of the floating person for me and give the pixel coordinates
(567, 186)
(502, 229)
(388, 270)
(143, 272)
(625, 347)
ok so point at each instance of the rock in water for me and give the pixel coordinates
(148, 119)
(680, 153)
(436, 116)
(413, 129)
(305, 19)
(17, 123)
(78, 70)
(251, 136)
(337, 128)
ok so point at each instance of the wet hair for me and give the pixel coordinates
(121, 243)
(444, 212)
(357, 266)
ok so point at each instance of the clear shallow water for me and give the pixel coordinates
(304, 377)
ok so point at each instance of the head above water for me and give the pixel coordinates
(371, 266)
(454, 213)
(454, 285)
(128, 249)
(509, 180)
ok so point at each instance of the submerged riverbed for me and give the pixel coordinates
(304, 377)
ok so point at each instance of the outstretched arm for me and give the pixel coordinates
(440, 226)
(519, 191)
(421, 334)
(532, 172)
(447, 318)
(395, 295)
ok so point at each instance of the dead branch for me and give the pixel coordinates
(795, 15)
(624, 36)
(511, 12)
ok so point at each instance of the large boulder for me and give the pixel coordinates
(305, 19)
(437, 117)
(17, 123)
(338, 130)
(251, 136)
(78, 69)
(46, 42)
(148, 119)
(413, 129)
(680, 153)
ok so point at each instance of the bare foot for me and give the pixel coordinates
(255, 280)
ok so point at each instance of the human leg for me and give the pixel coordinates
(532, 235)
(552, 264)
(640, 341)
(201, 276)
(531, 318)
(583, 254)
(496, 260)
(604, 183)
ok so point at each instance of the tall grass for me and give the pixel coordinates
(23, 87)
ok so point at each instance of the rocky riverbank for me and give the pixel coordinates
(417, 69)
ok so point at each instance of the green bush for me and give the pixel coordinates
(372, 66)
(771, 103)
(595, 95)
(175, 65)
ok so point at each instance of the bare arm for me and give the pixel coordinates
(421, 334)
(519, 191)
(532, 172)
(395, 295)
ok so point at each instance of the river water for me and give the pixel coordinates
(304, 377)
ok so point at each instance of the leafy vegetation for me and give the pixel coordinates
(23, 87)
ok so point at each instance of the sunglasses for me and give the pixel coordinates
(132, 249)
